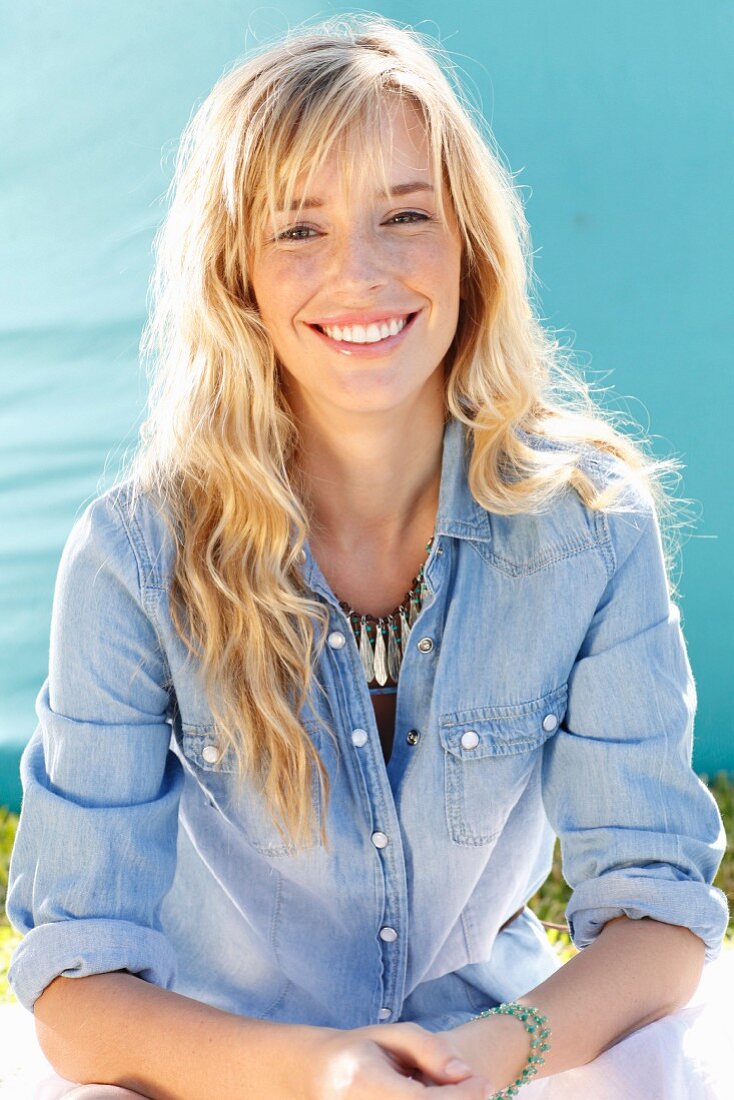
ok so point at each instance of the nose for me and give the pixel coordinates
(358, 262)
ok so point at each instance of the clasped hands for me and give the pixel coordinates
(400, 1061)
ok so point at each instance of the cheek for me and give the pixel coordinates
(286, 288)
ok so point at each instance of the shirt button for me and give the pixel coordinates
(412, 737)
(302, 556)
(384, 1013)
(470, 739)
(336, 639)
(210, 753)
(425, 645)
(359, 738)
(549, 723)
(380, 840)
(389, 935)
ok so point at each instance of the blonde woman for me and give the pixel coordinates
(380, 608)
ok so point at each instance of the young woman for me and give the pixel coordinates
(380, 609)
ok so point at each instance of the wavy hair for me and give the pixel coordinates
(217, 447)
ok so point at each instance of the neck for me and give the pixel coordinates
(371, 478)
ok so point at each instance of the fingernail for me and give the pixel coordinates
(456, 1066)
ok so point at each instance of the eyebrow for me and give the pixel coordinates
(395, 192)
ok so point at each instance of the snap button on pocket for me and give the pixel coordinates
(243, 805)
(489, 756)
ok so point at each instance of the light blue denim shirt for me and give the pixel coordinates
(547, 690)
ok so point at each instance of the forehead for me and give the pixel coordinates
(385, 147)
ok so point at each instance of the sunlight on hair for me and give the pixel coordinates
(216, 450)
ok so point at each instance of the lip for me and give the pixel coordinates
(366, 317)
(376, 350)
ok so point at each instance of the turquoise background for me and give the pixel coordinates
(617, 119)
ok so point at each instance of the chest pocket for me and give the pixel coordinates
(489, 756)
(243, 805)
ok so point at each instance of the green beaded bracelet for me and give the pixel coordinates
(539, 1033)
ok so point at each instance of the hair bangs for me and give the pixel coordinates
(342, 116)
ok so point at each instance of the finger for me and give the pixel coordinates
(388, 1084)
(418, 1049)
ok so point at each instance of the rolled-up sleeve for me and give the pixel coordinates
(95, 850)
(640, 834)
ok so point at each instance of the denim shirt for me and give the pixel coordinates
(546, 689)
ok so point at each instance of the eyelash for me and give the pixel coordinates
(413, 214)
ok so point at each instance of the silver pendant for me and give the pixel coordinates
(365, 652)
(380, 657)
(414, 608)
(393, 650)
(404, 629)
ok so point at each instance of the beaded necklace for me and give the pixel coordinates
(382, 640)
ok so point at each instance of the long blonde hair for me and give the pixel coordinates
(217, 446)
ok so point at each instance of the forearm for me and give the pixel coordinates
(117, 1029)
(634, 973)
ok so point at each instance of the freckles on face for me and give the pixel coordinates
(336, 277)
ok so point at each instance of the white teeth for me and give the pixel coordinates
(369, 334)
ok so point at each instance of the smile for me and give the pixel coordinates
(383, 333)
(366, 334)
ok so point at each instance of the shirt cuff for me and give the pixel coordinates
(77, 948)
(694, 905)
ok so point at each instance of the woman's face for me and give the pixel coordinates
(359, 290)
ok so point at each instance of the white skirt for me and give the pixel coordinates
(685, 1056)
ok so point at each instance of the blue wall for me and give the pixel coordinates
(614, 119)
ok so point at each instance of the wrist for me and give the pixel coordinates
(507, 1045)
(286, 1060)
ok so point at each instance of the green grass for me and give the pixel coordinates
(549, 903)
(8, 936)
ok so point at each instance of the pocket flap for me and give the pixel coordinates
(503, 730)
(202, 748)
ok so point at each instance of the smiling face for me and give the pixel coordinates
(358, 286)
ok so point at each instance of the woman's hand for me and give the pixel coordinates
(496, 1048)
(388, 1062)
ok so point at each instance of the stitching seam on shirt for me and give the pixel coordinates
(606, 546)
(540, 562)
(143, 591)
(498, 711)
(468, 943)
